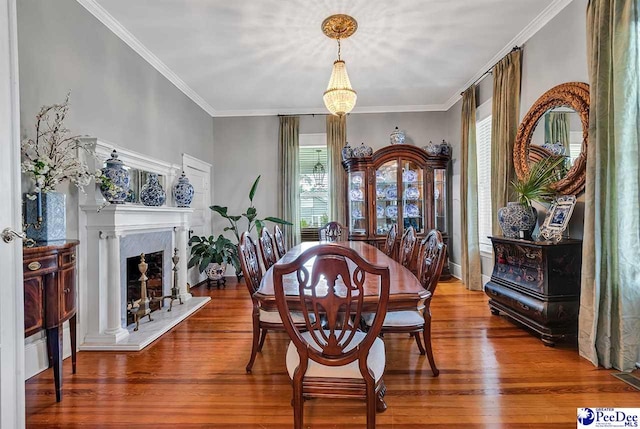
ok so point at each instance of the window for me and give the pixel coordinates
(314, 186)
(483, 152)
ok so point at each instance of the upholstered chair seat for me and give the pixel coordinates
(397, 318)
(274, 317)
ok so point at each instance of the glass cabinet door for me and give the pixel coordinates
(413, 196)
(357, 206)
(386, 197)
(440, 199)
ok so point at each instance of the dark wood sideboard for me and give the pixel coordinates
(50, 298)
(538, 285)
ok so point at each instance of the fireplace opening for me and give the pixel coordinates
(154, 282)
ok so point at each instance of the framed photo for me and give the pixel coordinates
(557, 219)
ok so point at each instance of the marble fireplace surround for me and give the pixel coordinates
(111, 234)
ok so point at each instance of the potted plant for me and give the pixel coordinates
(519, 218)
(213, 255)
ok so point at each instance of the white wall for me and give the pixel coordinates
(554, 55)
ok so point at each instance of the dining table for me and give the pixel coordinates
(406, 292)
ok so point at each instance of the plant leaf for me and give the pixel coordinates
(222, 211)
(254, 188)
(277, 220)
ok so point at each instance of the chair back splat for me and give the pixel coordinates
(250, 263)
(267, 249)
(333, 231)
(278, 237)
(407, 247)
(329, 283)
(390, 241)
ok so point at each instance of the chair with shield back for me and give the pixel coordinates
(333, 231)
(267, 249)
(407, 248)
(278, 238)
(390, 241)
(263, 320)
(431, 257)
(333, 358)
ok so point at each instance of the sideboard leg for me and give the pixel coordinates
(72, 331)
(54, 338)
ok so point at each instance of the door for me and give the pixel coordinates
(12, 409)
(199, 174)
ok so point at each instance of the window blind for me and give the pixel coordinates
(314, 196)
(483, 152)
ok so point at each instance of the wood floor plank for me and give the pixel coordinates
(493, 374)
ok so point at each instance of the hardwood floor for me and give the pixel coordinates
(492, 375)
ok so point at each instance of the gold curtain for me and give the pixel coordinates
(336, 139)
(471, 269)
(504, 126)
(289, 176)
(609, 320)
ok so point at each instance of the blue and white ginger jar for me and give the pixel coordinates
(183, 192)
(362, 151)
(115, 183)
(347, 152)
(517, 217)
(397, 137)
(152, 193)
(445, 148)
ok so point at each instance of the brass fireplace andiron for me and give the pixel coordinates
(175, 290)
(140, 308)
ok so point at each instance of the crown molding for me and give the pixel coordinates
(527, 32)
(119, 30)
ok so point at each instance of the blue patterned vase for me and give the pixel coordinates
(445, 148)
(115, 182)
(397, 137)
(152, 193)
(347, 152)
(362, 151)
(183, 192)
(515, 218)
(50, 207)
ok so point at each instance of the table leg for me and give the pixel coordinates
(54, 338)
(72, 331)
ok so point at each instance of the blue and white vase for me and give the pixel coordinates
(347, 152)
(432, 149)
(445, 148)
(50, 208)
(362, 151)
(517, 217)
(183, 192)
(152, 193)
(116, 182)
(397, 137)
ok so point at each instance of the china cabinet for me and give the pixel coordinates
(398, 184)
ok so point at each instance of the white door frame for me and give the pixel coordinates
(12, 396)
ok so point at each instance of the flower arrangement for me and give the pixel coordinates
(51, 157)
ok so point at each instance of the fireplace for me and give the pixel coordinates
(154, 281)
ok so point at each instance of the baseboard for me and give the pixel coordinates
(456, 271)
(36, 357)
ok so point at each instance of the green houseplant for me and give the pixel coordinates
(213, 255)
(519, 218)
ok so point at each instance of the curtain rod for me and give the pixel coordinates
(483, 75)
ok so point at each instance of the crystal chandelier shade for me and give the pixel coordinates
(339, 98)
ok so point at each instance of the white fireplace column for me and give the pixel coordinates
(114, 327)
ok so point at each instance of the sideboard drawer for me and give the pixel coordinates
(40, 266)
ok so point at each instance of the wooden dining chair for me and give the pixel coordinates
(267, 249)
(431, 257)
(333, 358)
(407, 247)
(263, 321)
(278, 238)
(390, 241)
(333, 231)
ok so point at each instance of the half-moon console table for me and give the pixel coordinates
(538, 285)
(50, 298)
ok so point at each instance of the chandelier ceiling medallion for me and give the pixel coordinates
(340, 98)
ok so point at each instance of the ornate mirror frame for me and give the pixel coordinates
(570, 94)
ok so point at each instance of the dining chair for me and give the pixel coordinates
(333, 231)
(333, 358)
(263, 321)
(390, 241)
(407, 247)
(267, 250)
(278, 238)
(431, 257)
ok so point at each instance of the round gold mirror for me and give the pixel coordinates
(557, 125)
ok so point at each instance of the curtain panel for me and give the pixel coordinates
(336, 140)
(557, 129)
(289, 177)
(471, 269)
(504, 126)
(609, 321)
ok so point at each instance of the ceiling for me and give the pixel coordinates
(239, 58)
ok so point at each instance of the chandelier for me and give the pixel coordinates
(318, 172)
(340, 98)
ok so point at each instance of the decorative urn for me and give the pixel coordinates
(152, 193)
(432, 149)
(347, 152)
(445, 148)
(397, 137)
(183, 192)
(115, 180)
(362, 151)
(517, 217)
